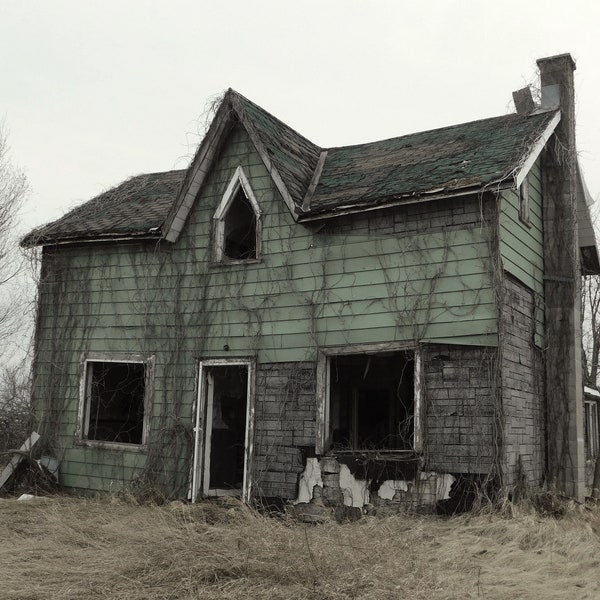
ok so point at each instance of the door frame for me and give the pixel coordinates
(203, 429)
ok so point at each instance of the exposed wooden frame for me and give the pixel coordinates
(203, 424)
(17, 457)
(322, 442)
(83, 416)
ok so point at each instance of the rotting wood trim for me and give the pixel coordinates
(191, 185)
(334, 212)
(263, 153)
(314, 181)
(535, 150)
(103, 239)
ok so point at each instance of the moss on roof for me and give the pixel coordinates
(470, 155)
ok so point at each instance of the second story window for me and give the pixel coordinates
(237, 223)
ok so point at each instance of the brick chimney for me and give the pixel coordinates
(564, 377)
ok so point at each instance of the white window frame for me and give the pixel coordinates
(83, 412)
(200, 475)
(323, 443)
(239, 180)
(591, 426)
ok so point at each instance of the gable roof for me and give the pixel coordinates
(289, 157)
(313, 182)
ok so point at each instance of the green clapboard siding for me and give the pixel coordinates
(522, 245)
(313, 287)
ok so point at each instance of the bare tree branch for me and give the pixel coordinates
(13, 190)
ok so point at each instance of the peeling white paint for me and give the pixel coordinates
(435, 486)
(429, 488)
(310, 477)
(387, 490)
(356, 492)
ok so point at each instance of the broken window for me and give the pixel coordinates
(115, 401)
(237, 222)
(372, 401)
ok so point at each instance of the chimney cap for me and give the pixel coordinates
(557, 58)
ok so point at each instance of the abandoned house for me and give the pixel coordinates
(363, 324)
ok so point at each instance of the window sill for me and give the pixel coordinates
(374, 454)
(229, 263)
(122, 447)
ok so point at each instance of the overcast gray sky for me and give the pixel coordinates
(94, 92)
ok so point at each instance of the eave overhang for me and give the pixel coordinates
(30, 241)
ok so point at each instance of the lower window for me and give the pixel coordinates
(371, 402)
(115, 401)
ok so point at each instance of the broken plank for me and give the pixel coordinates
(18, 457)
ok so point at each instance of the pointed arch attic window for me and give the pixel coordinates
(237, 222)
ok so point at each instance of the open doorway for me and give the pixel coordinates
(222, 450)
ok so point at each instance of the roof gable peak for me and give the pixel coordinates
(289, 157)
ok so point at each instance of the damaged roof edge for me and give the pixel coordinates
(31, 240)
(536, 149)
(387, 202)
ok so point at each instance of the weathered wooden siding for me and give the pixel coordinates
(419, 272)
(522, 246)
(523, 398)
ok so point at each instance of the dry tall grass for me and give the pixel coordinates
(66, 548)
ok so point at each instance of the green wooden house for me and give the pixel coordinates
(377, 320)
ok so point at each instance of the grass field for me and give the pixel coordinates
(61, 548)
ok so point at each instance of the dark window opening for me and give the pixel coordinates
(116, 402)
(239, 240)
(372, 401)
(591, 430)
(228, 426)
